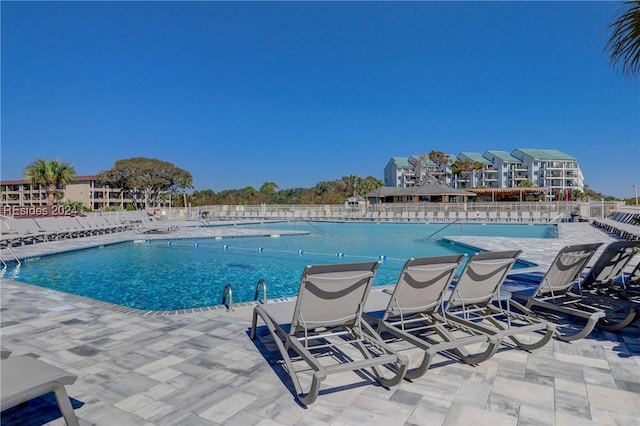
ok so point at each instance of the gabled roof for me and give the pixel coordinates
(503, 155)
(427, 160)
(474, 156)
(401, 161)
(543, 154)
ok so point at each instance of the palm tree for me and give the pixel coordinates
(185, 182)
(49, 174)
(624, 42)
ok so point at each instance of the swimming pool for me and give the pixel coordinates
(180, 274)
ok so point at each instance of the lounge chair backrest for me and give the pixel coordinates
(611, 262)
(481, 277)
(332, 295)
(422, 285)
(566, 268)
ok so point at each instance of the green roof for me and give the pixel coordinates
(401, 161)
(543, 154)
(503, 155)
(427, 160)
(475, 156)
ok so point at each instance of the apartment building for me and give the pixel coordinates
(84, 189)
(553, 170)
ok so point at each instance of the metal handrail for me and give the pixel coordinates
(14, 258)
(560, 216)
(227, 293)
(261, 284)
(441, 229)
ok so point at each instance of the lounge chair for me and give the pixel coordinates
(409, 312)
(553, 296)
(24, 378)
(325, 323)
(478, 303)
(628, 285)
(154, 227)
(604, 284)
(610, 265)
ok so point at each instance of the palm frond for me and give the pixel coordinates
(624, 42)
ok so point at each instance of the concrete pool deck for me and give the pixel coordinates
(202, 369)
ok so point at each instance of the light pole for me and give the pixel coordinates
(635, 192)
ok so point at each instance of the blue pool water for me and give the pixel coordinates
(180, 274)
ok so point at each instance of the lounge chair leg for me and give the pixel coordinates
(314, 390)
(422, 368)
(463, 354)
(614, 324)
(65, 406)
(586, 330)
(402, 364)
(254, 324)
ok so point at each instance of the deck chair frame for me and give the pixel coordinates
(326, 315)
(24, 378)
(408, 312)
(553, 295)
(600, 284)
(477, 302)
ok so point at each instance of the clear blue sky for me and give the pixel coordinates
(240, 93)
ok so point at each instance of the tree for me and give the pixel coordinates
(624, 42)
(50, 174)
(577, 194)
(204, 198)
(526, 184)
(145, 180)
(440, 159)
(462, 168)
(269, 188)
(184, 182)
(369, 184)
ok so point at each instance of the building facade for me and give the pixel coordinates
(554, 171)
(83, 189)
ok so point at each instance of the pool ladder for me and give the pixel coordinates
(4, 263)
(227, 294)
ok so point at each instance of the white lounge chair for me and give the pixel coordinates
(24, 378)
(553, 295)
(324, 327)
(478, 303)
(408, 313)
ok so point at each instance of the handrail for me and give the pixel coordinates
(441, 229)
(314, 226)
(227, 292)
(13, 255)
(561, 215)
(261, 284)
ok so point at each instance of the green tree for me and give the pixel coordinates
(369, 184)
(463, 169)
(526, 184)
(145, 180)
(440, 159)
(576, 195)
(269, 189)
(624, 42)
(50, 174)
(184, 182)
(204, 198)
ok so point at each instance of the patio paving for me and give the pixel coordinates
(203, 369)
